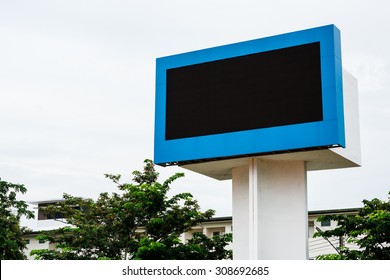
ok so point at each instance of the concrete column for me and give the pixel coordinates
(240, 180)
(270, 210)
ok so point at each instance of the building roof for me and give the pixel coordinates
(334, 211)
(313, 212)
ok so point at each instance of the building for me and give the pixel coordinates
(42, 222)
(321, 246)
(214, 226)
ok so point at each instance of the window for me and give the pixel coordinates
(41, 241)
(214, 231)
(27, 241)
(325, 223)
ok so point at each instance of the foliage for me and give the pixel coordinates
(140, 222)
(369, 229)
(200, 247)
(330, 257)
(210, 249)
(11, 210)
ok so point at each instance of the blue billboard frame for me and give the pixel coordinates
(326, 133)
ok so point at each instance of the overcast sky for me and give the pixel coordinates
(77, 88)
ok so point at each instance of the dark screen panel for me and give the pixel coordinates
(267, 89)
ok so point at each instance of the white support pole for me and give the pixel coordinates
(270, 210)
(241, 212)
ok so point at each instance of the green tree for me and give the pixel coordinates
(11, 210)
(139, 222)
(369, 229)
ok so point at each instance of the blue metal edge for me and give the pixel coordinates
(327, 133)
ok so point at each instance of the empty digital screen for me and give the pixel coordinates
(266, 89)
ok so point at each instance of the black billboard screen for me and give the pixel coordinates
(261, 90)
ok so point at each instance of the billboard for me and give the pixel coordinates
(276, 94)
